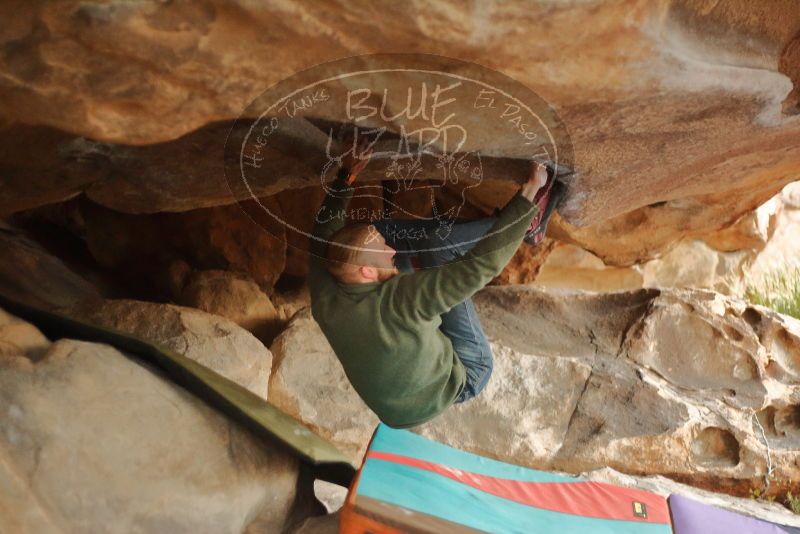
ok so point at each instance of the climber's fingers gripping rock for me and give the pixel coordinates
(536, 180)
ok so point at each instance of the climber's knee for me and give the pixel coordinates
(478, 369)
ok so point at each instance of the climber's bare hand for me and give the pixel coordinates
(538, 174)
(536, 180)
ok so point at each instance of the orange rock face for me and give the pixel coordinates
(682, 113)
(213, 238)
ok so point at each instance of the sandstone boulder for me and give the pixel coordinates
(694, 264)
(791, 196)
(752, 231)
(291, 301)
(680, 379)
(214, 341)
(782, 251)
(526, 264)
(569, 267)
(682, 123)
(690, 264)
(234, 297)
(18, 337)
(309, 383)
(224, 237)
(92, 440)
(31, 274)
(41, 165)
(726, 261)
(298, 207)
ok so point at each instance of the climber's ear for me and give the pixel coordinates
(368, 272)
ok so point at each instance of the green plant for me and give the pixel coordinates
(757, 494)
(779, 290)
(793, 502)
(790, 500)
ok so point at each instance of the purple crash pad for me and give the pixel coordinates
(692, 517)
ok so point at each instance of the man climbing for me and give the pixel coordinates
(410, 341)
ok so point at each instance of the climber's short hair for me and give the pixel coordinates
(345, 246)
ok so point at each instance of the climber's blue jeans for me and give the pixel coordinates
(460, 324)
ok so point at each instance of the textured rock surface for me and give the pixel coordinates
(526, 264)
(309, 383)
(725, 261)
(289, 302)
(694, 264)
(684, 116)
(682, 113)
(525, 412)
(783, 249)
(235, 297)
(18, 337)
(570, 267)
(91, 440)
(211, 340)
(197, 47)
(298, 209)
(31, 274)
(214, 238)
(646, 382)
(691, 264)
(41, 165)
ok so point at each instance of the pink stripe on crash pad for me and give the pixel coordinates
(581, 498)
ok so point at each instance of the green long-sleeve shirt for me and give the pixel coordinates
(386, 334)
